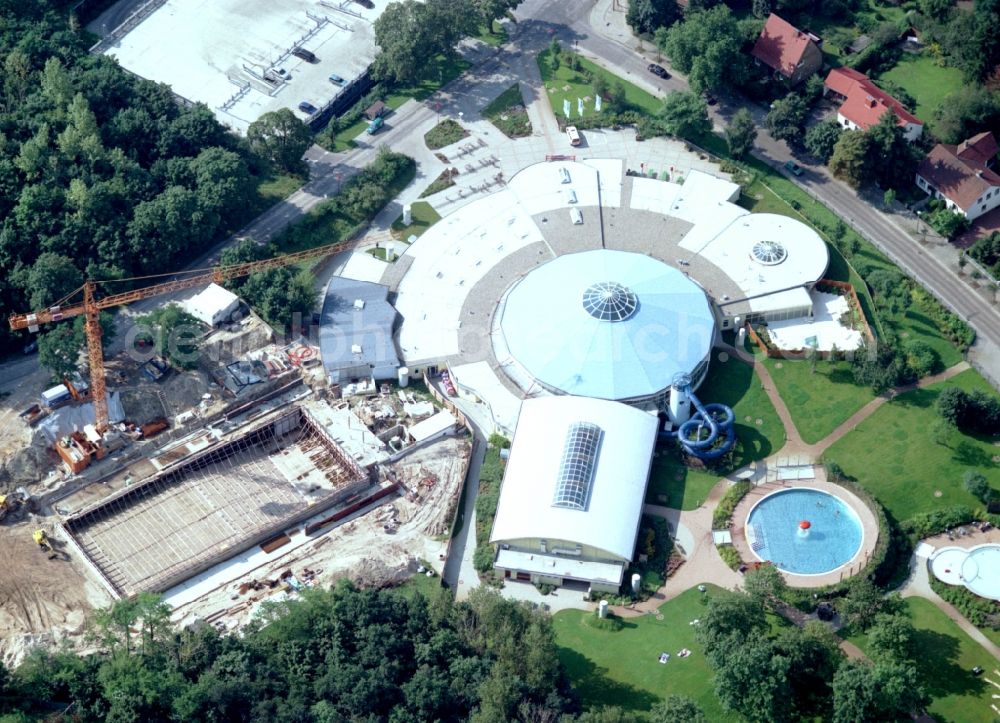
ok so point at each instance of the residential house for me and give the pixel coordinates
(864, 103)
(963, 175)
(788, 51)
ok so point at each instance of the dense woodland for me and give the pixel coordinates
(102, 174)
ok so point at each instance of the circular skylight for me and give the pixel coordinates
(769, 253)
(610, 301)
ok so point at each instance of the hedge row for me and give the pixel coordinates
(727, 505)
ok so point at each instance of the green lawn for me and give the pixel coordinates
(622, 668)
(928, 82)
(671, 484)
(444, 134)
(507, 113)
(820, 401)
(274, 187)
(894, 456)
(736, 384)
(945, 655)
(568, 84)
(424, 216)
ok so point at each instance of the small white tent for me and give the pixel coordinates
(213, 306)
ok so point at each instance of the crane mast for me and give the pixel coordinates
(91, 308)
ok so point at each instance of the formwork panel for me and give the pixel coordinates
(222, 500)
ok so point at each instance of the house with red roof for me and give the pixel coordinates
(963, 175)
(864, 103)
(788, 51)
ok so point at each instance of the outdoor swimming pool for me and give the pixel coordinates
(977, 568)
(804, 531)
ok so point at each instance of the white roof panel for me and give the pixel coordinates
(610, 519)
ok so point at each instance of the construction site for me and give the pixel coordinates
(245, 478)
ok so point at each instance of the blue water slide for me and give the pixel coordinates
(716, 419)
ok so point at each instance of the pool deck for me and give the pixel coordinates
(869, 527)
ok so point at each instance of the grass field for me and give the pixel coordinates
(945, 655)
(671, 484)
(444, 134)
(568, 84)
(275, 187)
(424, 216)
(734, 383)
(894, 456)
(819, 402)
(928, 83)
(622, 668)
(508, 114)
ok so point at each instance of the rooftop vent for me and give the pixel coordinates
(359, 304)
(355, 348)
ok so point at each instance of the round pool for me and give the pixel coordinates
(981, 571)
(804, 531)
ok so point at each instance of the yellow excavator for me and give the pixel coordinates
(44, 544)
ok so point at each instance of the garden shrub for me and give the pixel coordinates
(932, 523)
(727, 505)
(730, 555)
(977, 610)
(612, 623)
(976, 411)
(655, 543)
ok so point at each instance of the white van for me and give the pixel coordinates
(573, 134)
(576, 216)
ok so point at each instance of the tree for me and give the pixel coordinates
(281, 295)
(882, 692)
(223, 183)
(647, 16)
(762, 8)
(937, 9)
(175, 334)
(59, 350)
(707, 47)
(50, 278)
(967, 111)
(677, 709)
(880, 368)
(888, 198)
(729, 619)
(978, 486)
(409, 34)
(786, 117)
(893, 160)
(490, 10)
(864, 601)
(741, 133)
(921, 357)
(765, 585)
(685, 115)
(849, 161)
(752, 680)
(281, 138)
(813, 654)
(890, 638)
(952, 405)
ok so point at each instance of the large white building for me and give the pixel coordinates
(573, 491)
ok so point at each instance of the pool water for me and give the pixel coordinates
(833, 538)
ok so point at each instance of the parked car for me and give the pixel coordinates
(374, 126)
(31, 348)
(306, 55)
(336, 79)
(307, 108)
(658, 70)
(793, 168)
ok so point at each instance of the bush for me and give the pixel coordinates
(978, 486)
(727, 505)
(654, 542)
(921, 357)
(979, 611)
(730, 555)
(544, 588)
(976, 411)
(932, 523)
(612, 623)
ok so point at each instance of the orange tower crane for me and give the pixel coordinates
(92, 306)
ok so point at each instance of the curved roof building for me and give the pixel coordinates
(573, 490)
(606, 324)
